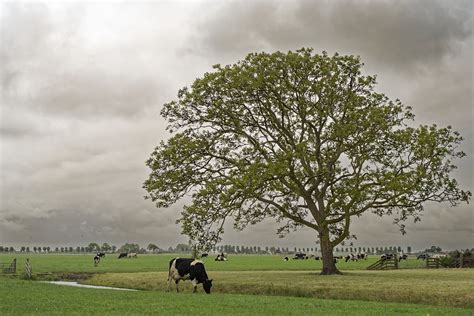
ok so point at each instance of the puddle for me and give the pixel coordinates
(70, 283)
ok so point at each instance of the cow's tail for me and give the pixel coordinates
(169, 273)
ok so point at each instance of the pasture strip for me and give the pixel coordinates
(442, 287)
(84, 263)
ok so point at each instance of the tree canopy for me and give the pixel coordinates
(302, 138)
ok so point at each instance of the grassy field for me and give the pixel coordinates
(43, 263)
(446, 287)
(18, 297)
(242, 285)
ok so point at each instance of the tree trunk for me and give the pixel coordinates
(329, 267)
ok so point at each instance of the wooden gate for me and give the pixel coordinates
(385, 264)
(432, 263)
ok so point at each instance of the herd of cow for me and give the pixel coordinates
(349, 257)
(101, 255)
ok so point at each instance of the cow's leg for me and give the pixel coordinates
(177, 289)
(194, 285)
(169, 283)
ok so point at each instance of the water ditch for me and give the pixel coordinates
(76, 284)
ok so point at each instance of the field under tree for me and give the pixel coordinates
(246, 284)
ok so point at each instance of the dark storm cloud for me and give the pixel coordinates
(394, 34)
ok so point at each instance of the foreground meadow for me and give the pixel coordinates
(19, 297)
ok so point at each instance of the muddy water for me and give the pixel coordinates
(70, 283)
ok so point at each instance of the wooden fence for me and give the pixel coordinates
(464, 262)
(8, 267)
(385, 264)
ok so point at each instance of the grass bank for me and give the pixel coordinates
(18, 297)
(444, 287)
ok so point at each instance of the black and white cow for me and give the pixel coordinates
(362, 255)
(96, 260)
(221, 257)
(204, 255)
(101, 254)
(351, 257)
(285, 259)
(189, 269)
(123, 255)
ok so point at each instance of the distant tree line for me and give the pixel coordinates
(230, 249)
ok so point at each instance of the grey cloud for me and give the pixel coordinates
(395, 34)
(51, 66)
(76, 227)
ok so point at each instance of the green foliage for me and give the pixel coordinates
(92, 247)
(130, 247)
(106, 247)
(301, 138)
(447, 261)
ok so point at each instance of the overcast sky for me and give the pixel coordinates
(82, 85)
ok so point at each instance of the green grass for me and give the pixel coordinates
(246, 284)
(448, 287)
(43, 263)
(18, 297)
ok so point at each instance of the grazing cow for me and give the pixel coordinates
(132, 255)
(189, 269)
(423, 256)
(204, 255)
(351, 257)
(316, 258)
(300, 255)
(96, 260)
(362, 256)
(386, 256)
(402, 257)
(286, 259)
(220, 257)
(123, 255)
(101, 254)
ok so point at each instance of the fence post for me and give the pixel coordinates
(28, 268)
(395, 257)
(14, 266)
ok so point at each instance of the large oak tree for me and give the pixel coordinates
(304, 139)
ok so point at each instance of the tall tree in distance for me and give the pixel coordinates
(152, 247)
(302, 138)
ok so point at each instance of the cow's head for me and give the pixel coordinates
(207, 286)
